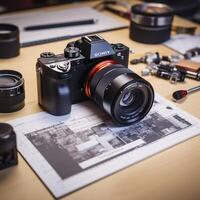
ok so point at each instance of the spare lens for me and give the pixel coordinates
(11, 91)
(9, 41)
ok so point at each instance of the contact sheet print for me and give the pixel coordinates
(72, 151)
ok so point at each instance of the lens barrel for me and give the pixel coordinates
(151, 23)
(125, 96)
(12, 93)
(8, 149)
(9, 41)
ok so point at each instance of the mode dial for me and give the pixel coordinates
(72, 52)
(65, 67)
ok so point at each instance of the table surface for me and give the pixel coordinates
(173, 174)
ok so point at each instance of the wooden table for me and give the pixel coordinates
(170, 175)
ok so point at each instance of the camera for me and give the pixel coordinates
(93, 68)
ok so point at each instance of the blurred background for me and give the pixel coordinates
(189, 9)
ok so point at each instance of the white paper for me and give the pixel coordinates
(72, 151)
(182, 43)
(31, 18)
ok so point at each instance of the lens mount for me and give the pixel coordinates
(11, 91)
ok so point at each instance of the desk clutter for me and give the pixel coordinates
(174, 68)
(12, 92)
(73, 142)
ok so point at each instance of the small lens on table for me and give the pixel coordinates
(12, 92)
(9, 41)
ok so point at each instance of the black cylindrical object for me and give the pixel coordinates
(150, 23)
(9, 41)
(124, 95)
(8, 149)
(12, 92)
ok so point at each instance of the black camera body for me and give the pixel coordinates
(61, 78)
(93, 68)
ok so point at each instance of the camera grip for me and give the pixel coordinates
(55, 96)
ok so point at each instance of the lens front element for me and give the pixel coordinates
(132, 103)
(128, 98)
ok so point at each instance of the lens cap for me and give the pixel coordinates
(125, 96)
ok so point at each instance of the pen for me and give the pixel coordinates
(59, 25)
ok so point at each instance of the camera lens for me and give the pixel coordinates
(9, 41)
(129, 98)
(150, 22)
(11, 91)
(8, 150)
(124, 95)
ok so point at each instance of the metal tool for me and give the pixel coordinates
(181, 94)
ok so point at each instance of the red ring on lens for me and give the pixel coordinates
(98, 67)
